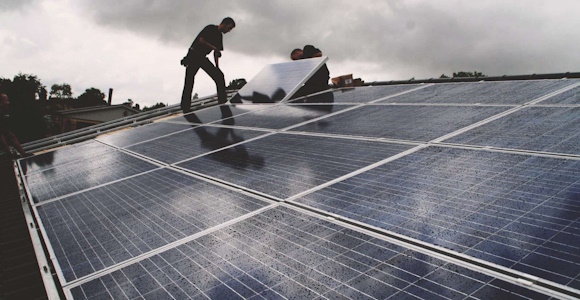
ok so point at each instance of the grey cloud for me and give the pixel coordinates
(416, 38)
(8, 5)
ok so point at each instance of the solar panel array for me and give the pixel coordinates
(427, 191)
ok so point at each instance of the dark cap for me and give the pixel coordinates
(309, 51)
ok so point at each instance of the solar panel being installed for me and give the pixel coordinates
(300, 208)
(278, 82)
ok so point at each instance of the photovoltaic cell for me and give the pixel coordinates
(417, 123)
(277, 82)
(142, 133)
(193, 142)
(488, 92)
(518, 211)
(569, 97)
(284, 254)
(282, 165)
(215, 113)
(357, 94)
(281, 116)
(551, 129)
(102, 227)
(62, 156)
(82, 174)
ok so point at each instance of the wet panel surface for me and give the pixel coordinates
(283, 165)
(102, 227)
(416, 123)
(63, 156)
(491, 92)
(550, 129)
(282, 116)
(284, 254)
(83, 174)
(518, 211)
(193, 142)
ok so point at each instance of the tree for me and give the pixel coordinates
(156, 106)
(91, 97)
(444, 76)
(129, 103)
(26, 117)
(236, 84)
(61, 91)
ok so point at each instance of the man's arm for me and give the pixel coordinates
(216, 52)
(216, 55)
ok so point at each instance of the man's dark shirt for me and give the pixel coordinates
(212, 35)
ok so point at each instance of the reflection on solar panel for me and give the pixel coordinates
(385, 192)
(187, 144)
(278, 82)
(106, 226)
(358, 94)
(283, 165)
(141, 134)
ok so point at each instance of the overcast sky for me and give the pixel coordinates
(134, 46)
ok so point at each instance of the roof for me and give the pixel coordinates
(447, 190)
(96, 108)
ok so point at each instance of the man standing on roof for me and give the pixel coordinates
(7, 138)
(208, 40)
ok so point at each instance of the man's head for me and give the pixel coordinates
(311, 51)
(4, 102)
(296, 54)
(227, 25)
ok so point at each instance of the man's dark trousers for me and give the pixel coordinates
(196, 61)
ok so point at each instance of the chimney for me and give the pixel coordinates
(110, 95)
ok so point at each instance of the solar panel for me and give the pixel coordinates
(140, 134)
(569, 97)
(339, 195)
(551, 129)
(502, 92)
(278, 82)
(285, 254)
(406, 122)
(282, 165)
(358, 94)
(282, 116)
(193, 142)
(214, 114)
(83, 174)
(62, 156)
(518, 211)
(99, 228)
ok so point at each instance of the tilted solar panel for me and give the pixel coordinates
(278, 82)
